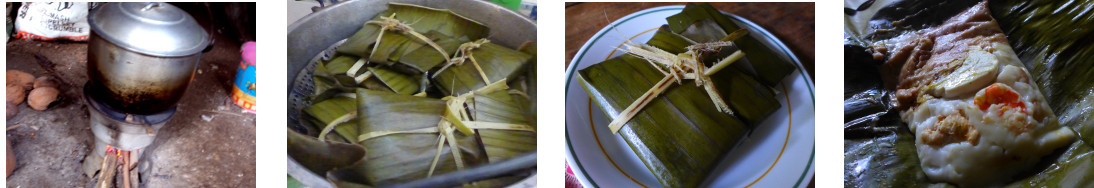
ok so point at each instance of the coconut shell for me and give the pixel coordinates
(39, 98)
(21, 78)
(16, 94)
(45, 81)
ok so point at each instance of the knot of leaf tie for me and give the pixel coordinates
(389, 23)
(676, 68)
(463, 54)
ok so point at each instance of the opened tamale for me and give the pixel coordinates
(702, 23)
(879, 149)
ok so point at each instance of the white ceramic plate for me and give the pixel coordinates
(778, 153)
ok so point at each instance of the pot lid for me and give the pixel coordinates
(157, 29)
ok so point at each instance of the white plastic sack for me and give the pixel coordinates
(53, 21)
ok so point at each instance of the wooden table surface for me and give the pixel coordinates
(790, 22)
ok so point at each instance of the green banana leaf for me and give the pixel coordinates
(1059, 54)
(442, 26)
(331, 78)
(405, 50)
(398, 82)
(702, 23)
(879, 149)
(400, 158)
(321, 157)
(326, 111)
(337, 68)
(389, 100)
(499, 106)
(751, 100)
(682, 130)
(665, 39)
(528, 86)
(498, 62)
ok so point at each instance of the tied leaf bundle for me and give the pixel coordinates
(679, 100)
(425, 94)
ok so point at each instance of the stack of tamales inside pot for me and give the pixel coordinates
(680, 134)
(421, 92)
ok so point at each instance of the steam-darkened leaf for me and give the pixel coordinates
(497, 62)
(322, 156)
(770, 67)
(326, 111)
(399, 82)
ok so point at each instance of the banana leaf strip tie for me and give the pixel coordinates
(356, 67)
(389, 23)
(463, 54)
(678, 67)
(455, 117)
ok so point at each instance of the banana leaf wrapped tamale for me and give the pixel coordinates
(499, 106)
(405, 157)
(485, 63)
(701, 105)
(401, 132)
(380, 41)
(684, 135)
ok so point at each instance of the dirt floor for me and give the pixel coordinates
(210, 142)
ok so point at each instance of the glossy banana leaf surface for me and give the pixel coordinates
(681, 132)
(702, 23)
(1050, 37)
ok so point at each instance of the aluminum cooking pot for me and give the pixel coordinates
(142, 56)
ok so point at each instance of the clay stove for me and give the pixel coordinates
(141, 58)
